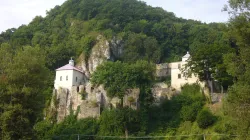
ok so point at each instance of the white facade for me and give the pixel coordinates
(178, 78)
(68, 76)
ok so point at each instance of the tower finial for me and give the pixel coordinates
(71, 62)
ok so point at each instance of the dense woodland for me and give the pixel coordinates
(220, 51)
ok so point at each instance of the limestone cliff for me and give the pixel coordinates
(102, 51)
(88, 101)
(162, 91)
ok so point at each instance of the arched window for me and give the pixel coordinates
(60, 78)
(76, 79)
(67, 78)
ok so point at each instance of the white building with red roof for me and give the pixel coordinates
(68, 76)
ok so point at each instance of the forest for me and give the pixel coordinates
(150, 35)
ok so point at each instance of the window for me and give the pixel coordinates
(67, 78)
(179, 76)
(77, 89)
(179, 66)
(76, 79)
(60, 78)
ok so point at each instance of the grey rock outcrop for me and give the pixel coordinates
(162, 91)
(102, 51)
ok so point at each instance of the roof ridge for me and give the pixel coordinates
(69, 67)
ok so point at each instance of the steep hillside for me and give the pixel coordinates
(94, 31)
(145, 32)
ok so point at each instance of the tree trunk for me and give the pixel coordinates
(126, 132)
(210, 84)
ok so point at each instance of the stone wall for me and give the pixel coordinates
(163, 70)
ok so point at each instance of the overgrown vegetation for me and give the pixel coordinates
(117, 77)
(149, 35)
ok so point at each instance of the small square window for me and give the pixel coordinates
(179, 76)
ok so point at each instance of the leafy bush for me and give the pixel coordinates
(115, 122)
(67, 129)
(189, 113)
(205, 119)
(193, 91)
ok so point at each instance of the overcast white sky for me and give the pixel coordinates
(14, 13)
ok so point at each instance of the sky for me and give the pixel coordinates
(14, 13)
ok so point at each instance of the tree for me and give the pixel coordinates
(117, 77)
(22, 97)
(141, 47)
(119, 122)
(206, 59)
(205, 118)
(238, 64)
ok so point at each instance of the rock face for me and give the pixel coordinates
(162, 91)
(131, 98)
(87, 101)
(71, 101)
(163, 70)
(102, 51)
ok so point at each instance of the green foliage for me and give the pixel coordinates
(237, 64)
(117, 77)
(141, 47)
(67, 129)
(207, 51)
(189, 113)
(171, 113)
(84, 94)
(131, 99)
(87, 43)
(117, 122)
(193, 101)
(22, 96)
(205, 119)
(151, 34)
(147, 33)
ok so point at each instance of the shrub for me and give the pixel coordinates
(84, 94)
(94, 103)
(131, 99)
(189, 112)
(205, 118)
(192, 91)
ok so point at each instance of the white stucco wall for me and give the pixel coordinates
(79, 76)
(72, 74)
(178, 82)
